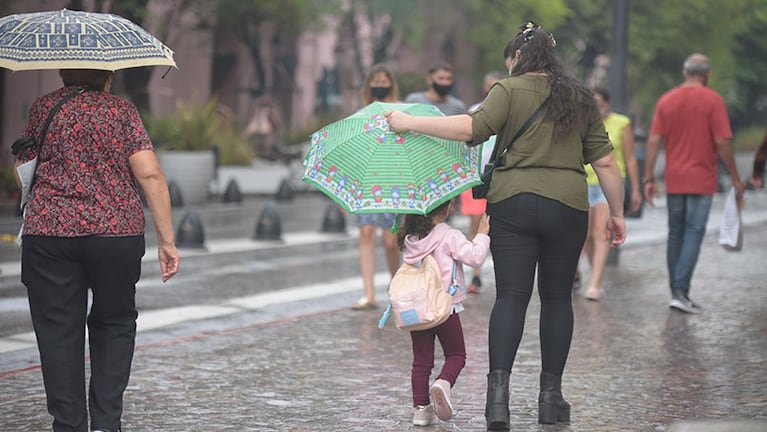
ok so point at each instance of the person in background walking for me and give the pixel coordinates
(759, 160)
(691, 119)
(440, 82)
(418, 237)
(475, 208)
(538, 206)
(380, 85)
(84, 229)
(597, 246)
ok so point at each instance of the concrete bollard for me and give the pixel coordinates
(190, 232)
(268, 226)
(284, 192)
(334, 220)
(176, 200)
(232, 192)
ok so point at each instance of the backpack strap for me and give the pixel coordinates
(453, 288)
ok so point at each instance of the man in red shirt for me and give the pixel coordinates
(691, 119)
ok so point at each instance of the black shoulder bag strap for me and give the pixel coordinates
(47, 124)
(525, 127)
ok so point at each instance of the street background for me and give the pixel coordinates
(258, 336)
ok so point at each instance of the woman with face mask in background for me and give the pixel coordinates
(380, 86)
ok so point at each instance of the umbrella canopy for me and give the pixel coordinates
(69, 39)
(367, 168)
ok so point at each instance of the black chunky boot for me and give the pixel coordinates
(552, 407)
(497, 406)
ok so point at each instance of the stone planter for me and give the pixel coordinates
(192, 171)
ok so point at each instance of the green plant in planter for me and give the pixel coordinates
(197, 127)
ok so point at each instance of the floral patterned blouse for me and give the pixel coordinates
(84, 185)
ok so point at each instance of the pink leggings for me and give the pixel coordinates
(450, 334)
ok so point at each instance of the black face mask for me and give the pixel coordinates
(379, 92)
(442, 90)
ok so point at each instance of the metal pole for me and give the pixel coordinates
(618, 62)
(619, 55)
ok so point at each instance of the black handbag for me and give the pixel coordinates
(480, 191)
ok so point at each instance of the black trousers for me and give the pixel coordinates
(58, 272)
(528, 231)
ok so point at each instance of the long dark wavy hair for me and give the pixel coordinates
(419, 225)
(571, 103)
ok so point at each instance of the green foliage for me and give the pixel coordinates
(749, 138)
(495, 22)
(729, 33)
(197, 127)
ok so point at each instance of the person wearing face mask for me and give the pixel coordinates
(440, 82)
(380, 86)
(597, 246)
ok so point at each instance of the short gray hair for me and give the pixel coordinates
(695, 66)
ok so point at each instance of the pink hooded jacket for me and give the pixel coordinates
(447, 244)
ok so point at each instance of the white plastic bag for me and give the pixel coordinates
(731, 230)
(26, 172)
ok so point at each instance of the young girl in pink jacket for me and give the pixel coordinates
(418, 237)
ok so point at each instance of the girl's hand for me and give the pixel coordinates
(484, 224)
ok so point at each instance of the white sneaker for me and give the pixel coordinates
(683, 305)
(424, 416)
(440, 396)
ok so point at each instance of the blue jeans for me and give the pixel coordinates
(687, 218)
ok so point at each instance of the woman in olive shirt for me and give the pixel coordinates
(538, 206)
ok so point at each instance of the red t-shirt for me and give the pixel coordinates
(690, 118)
(84, 185)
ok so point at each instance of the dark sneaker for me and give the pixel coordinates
(475, 285)
(682, 304)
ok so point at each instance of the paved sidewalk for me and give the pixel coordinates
(315, 365)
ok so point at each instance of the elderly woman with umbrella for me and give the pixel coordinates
(83, 217)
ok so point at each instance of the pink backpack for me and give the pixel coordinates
(417, 298)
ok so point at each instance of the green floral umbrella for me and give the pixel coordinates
(367, 168)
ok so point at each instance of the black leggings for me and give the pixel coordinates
(526, 231)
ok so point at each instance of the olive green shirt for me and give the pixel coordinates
(540, 161)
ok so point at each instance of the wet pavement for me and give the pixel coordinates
(306, 362)
(635, 365)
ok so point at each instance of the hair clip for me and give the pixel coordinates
(552, 40)
(528, 32)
